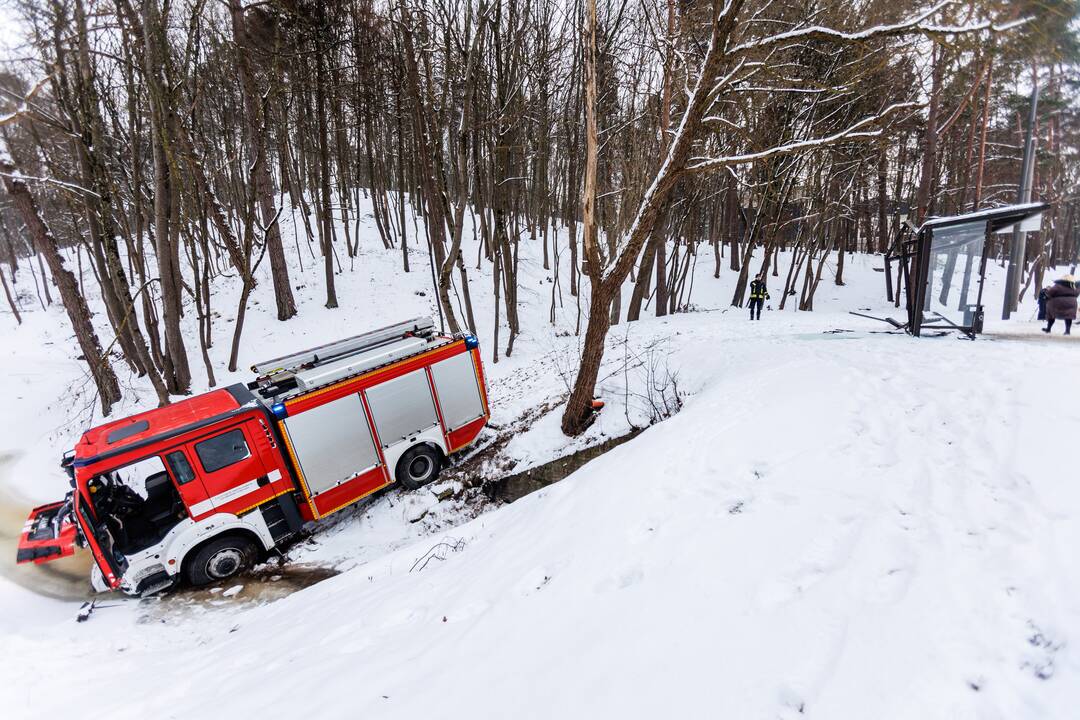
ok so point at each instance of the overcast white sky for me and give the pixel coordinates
(9, 29)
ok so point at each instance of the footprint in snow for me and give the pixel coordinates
(534, 580)
(642, 533)
(891, 586)
(791, 700)
(621, 581)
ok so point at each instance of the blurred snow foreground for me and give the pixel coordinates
(840, 523)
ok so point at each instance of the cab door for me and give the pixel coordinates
(181, 465)
(100, 542)
(230, 469)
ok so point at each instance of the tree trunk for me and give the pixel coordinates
(656, 249)
(924, 201)
(10, 299)
(643, 283)
(435, 215)
(577, 414)
(592, 354)
(101, 213)
(255, 133)
(74, 303)
(162, 118)
(982, 136)
(326, 228)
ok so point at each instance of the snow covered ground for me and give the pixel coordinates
(842, 522)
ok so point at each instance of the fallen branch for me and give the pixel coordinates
(438, 551)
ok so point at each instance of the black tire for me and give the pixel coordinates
(418, 466)
(221, 559)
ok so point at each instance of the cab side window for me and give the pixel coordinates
(180, 467)
(222, 450)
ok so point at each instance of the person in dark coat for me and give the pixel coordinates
(1041, 300)
(1061, 303)
(758, 295)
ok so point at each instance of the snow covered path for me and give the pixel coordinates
(848, 524)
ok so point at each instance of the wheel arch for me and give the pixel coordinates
(437, 447)
(439, 450)
(433, 437)
(233, 531)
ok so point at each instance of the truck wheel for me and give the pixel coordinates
(418, 466)
(221, 559)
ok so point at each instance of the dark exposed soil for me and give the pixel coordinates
(511, 487)
(265, 584)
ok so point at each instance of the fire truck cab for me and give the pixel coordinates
(198, 490)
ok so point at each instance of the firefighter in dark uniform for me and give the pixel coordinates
(758, 295)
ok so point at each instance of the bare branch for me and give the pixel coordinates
(703, 165)
(915, 25)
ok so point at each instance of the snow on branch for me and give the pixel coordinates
(19, 177)
(914, 25)
(24, 106)
(720, 120)
(702, 165)
(803, 91)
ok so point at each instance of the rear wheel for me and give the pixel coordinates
(418, 466)
(221, 559)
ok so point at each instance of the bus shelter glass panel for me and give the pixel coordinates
(952, 283)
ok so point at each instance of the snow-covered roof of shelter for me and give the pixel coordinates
(1014, 212)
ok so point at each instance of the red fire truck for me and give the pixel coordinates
(198, 490)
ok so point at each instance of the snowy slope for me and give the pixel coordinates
(837, 525)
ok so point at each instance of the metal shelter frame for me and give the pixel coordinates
(912, 249)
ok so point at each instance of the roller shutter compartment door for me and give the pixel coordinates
(402, 407)
(332, 442)
(458, 389)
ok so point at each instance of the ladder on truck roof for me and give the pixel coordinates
(327, 363)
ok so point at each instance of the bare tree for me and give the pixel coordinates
(74, 303)
(727, 61)
(255, 131)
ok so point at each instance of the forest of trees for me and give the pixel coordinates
(156, 143)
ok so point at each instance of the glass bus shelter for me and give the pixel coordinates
(941, 266)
